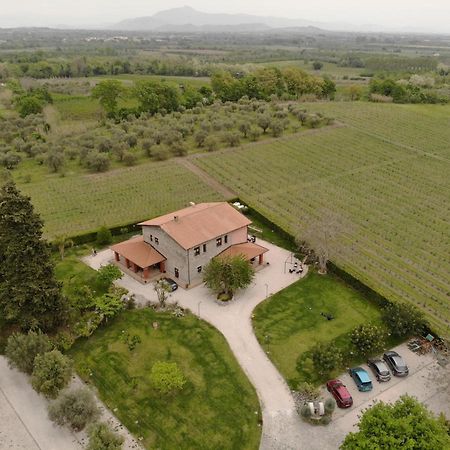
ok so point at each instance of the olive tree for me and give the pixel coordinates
(51, 373)
(75, 408)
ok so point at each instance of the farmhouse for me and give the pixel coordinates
(183, 242)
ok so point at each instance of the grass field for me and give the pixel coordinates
(289, 323)
(386, 172)
(79, 203)
(218, 408)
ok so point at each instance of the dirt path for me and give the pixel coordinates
(228, 194)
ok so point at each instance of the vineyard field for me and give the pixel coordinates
(75, 204)
(386, 173)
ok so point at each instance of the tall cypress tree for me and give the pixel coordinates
(30, 296)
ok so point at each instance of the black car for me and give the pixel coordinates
(396, 364)
(380, 369)
(172, 284)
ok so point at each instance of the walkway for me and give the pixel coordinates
(23, 416)
(282, 428)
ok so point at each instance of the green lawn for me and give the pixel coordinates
(218, 408)
(289, 323)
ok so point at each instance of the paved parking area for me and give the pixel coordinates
(427, 381)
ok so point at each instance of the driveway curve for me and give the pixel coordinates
(282, 427)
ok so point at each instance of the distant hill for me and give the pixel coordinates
(189, 19)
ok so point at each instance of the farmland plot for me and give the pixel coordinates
(76, 204)
(395, 198)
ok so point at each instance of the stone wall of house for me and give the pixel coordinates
(189, 261)
(200, 260)
(175, 254)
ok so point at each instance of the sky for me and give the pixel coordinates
(430, 15)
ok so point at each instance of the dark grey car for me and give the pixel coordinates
(172, 284)
(396, 364)
(380, 369)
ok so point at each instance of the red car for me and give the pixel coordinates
(340, 393)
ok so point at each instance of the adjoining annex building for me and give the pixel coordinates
(181, 243)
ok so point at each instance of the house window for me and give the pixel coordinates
(196, 251)
(156, 240)
(225, 238)
(219, 242)
(204, 248)
(199, 269)
(176, 272)
(151, 238)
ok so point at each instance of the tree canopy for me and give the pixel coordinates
(227, 274)
(406, 424)
(108, 92)
(30, 296)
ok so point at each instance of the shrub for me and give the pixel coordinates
(403, 319)
(211, 143)
(368, 339)
(147, 146)
(104, 236)
(98, 162)
(108, 274)
(129, 159)
(75, 408)
(22, 349)
(330, 405)
(55, 160)
(200, 138)
(231, 138)
(161, 153)
(305, 412)
(308, 390)
(325, 420)
(51, 373)
(102, 437)
(166, 377)
(326, 357)
(254, 134)
(276, 128)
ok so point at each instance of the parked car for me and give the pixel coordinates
(172, 284)
(396, 364)
(380, 369)
(340, 393)
(361, 379)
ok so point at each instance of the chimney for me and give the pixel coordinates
(175, 218)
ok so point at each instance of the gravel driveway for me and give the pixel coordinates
(282, 427)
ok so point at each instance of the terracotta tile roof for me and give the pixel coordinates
(138, 251)
(248, 249)
(200, 223)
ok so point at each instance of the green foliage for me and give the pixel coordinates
(329, 405)
(108, 274)
(404, 424)
(104, 236)
(109, 305)
(108, 92)
(29, 294)
(29, 104)
(308, 390)
(55, 160)
(228, 274)
(368, 339)
(162, 289)
(51, 373)
(22, 349)
(326, 357)
(166, 377)
(305, 412)
(102, 437)
(156, 97)
(403, 319)
(75, 408)
(317, 65)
